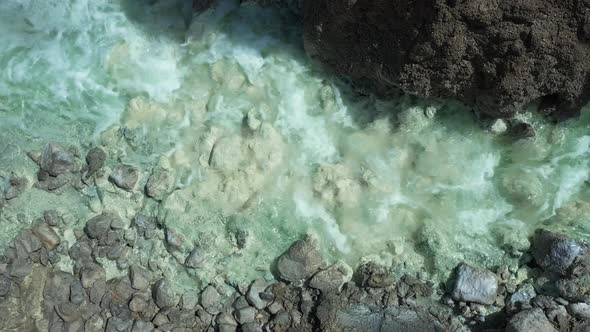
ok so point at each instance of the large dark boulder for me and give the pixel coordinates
(495, 55)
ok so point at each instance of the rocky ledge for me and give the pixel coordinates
(496, 55)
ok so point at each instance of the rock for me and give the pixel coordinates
(530, 320)
(499, 126)
(91, 274)
(159, 184)
(99, 226)
(16, 186)
(56, 160)
(52, 218)
(124, 176)
(300, 261)
(251, 327)
(474, 285)
(210, 300)
(495, 56)
(195, 259)
(175, 241)
(164, 295)
(69, 312)
(95, 160)
(5, 284)
(579, 310)
(246, 315)
(77, 293)
(257, 287)
(521, 298)
(94, 323)
(374, 275)
(115, 324)
(138, 303)
(575, 290)
(332, 278)
(189, 300)
(521, 130)
(141, 326)
(20, 268)
(554, 252)
(47, 235)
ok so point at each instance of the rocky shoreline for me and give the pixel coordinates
(54, 278)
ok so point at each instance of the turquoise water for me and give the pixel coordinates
(261, 142)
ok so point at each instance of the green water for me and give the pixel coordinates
(264, 145)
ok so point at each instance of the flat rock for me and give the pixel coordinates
(474, 285)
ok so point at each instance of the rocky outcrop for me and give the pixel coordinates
(494, 55)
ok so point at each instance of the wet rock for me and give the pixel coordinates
(47, 235)
(164, 294)
(300, 261)
(69, 312)
(255, 294)
(94, 323)
(20, 268)
(474, 285)
(175, 241)
(56, 160)
(579, 310)
(210, 300)
(16, 186)
(91, 274)
(495, 56)
(99, 226)
(575, 290)
(521, 299)
(142, 326)
(332, 278)
(554, 252)
(115, 324)
(189, 300)
(95, 160)
(374, 275)
(52, 218)
(251, 327)
(195, 259)
(124, 176)
(138, 303)
(5, 284)
(530, 320)
(246, 315)
(77, 293)
(159, 184)
(140, 277)
(521, 130)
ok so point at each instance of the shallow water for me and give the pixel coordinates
(265, 146)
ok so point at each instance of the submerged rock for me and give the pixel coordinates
(474, 285)
(495, 55)
(95, 160)
(56, 160)
(124, 176)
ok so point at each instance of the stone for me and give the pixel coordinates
(159, 184)
(474, 285)
(164, 295)
(300, 261)
(95, 159)
(211, 300)
(16, 186)
(142, 326)
(52, 218)
(138, 303)
(5, 284)
(91, 274)
(332, 278)
(46, 235)
(175, 241)
(94, 323)
(257, 287)
(77, 293)
(56, 160)
(195, 259)
(554, 252)
(115, 324)
(530, 320)
(124, 176)
(20, 268)
(251, 327)
(189, 300)
(99, 226)
(246, 315)
(521, 299)
(579, 310)
(69, 312)
(225, 319)
(496, 57)
(375, 275)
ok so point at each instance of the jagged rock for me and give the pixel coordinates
(52, 218)
(124, 176)
(94, 323)
(332, 278)
(95, 160)
(189, 300)
(138, 303)
(375, 275)
(554, 252)
(474, 285)
(251, 327)
(99, 226)
(530, 320)
(579, 310)
(521, 299)
(56, 160)
(300, 261)
(164, 295)
(497, 56)
(257, 287)
(141, 326)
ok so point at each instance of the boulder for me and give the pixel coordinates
(474, 285)
(554, 252)
(300, 261)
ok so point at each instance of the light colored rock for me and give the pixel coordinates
(332, 278)
(475, 285)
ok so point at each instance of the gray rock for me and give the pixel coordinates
(579, 310)
(47, 235)
(5, 285)
(521, 298)
(530, 320)
(91, 274)
(116, 324)
(69, 312)
(257, 287)
(332, 278)
(99, 226)
(158, 184)
(138, 303)
(575, 290)
(240, 302)
(189, 300)
(52, 218)
(210, 300)
(56, 160)
(195, 259)
(251, 327)
(77, 293)
(141, 326)
(246, 315)
(140, 277)
(225, 319)
(554, 252)
(94, 323)
(164, 294)
(474, 285)
(95, 160)
(175, 241)
(20, 268)
(160, 319)
(16, 186)
(300, 261)
(227, 328)
(124, 176)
